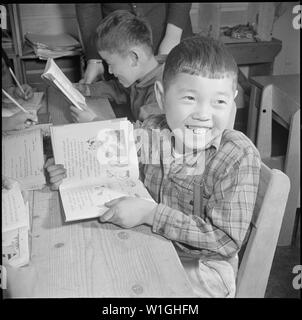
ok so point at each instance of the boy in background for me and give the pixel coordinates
(124, 41)
(205, 188)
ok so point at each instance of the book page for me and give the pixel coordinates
(14, 211)
(55, 75)
(95, 151)
(88, 201)
(23, 159)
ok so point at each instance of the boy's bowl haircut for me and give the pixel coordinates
(202, 56)
(121, 30)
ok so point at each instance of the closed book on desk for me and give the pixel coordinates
(23, 158)
(101, 162)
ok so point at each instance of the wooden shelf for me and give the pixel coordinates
(27, 64)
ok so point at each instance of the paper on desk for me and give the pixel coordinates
(23, 159)
(14, 211)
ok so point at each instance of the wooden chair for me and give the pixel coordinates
(277, 105)
(258, 253)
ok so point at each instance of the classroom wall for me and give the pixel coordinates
(48, 18)
(288, 60)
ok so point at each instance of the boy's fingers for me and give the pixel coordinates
(55, 170)
(52, 168)
(50, 161)
(57, 178)
(113, 202)
(107, 216)
(75, 110)
(83, 106)
(54, 186)
(6, 183)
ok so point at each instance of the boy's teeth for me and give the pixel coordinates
(199, 130)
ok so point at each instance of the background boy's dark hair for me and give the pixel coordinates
(200, 56)
(121, 30)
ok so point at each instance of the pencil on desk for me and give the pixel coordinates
(16, 80)
(14, 101)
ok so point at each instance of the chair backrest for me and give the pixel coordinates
(256, 262)
(285, 108)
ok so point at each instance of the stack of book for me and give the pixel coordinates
(16, 225)
(53, 46)
(23, 169)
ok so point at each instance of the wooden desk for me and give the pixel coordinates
(58, 107)
(259, 56)
(89, 259)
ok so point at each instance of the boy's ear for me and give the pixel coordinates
(236, 93)
(134, 55)
(159, 94)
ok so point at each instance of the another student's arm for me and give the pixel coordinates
(89, 15)
(178, 15)
(111, 90)
(18, 121)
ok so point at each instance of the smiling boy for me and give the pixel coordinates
(205, 189)
(124, 41)
(204, 204)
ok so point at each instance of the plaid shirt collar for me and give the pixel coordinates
(189, 163)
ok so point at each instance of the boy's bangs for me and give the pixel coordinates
(208, 71)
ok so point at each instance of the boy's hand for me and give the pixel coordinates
(7, 184)
(83, 88)
(87, 115)
(56, 173)
(171, 39)
(128, 212)
(28, 92)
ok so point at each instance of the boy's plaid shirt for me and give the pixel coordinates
(227, 180)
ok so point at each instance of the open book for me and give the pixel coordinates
(23, 158)
(54, 75)
(101, 162)
(15, 227)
